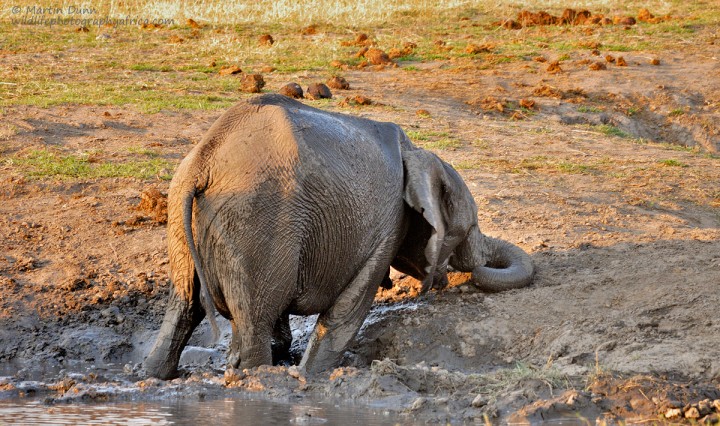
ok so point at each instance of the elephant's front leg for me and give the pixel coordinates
(181, 318)
(337, 327)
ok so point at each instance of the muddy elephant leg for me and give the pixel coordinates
(233, 358)
(181, 318)
(251, 343)
(282, 339)
(337, 327)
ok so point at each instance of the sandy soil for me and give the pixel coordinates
(621, 321)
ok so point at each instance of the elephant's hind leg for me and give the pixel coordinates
(181, 318)
(337, 327)
(282, 339)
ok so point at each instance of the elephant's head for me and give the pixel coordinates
(443, 230)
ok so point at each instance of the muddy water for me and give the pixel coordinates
(224, 411)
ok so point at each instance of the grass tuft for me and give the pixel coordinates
(42, 163)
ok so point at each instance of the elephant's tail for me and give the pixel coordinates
(205, 299)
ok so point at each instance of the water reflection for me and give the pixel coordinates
(184, 412)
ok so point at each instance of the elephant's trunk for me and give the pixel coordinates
(506, 266)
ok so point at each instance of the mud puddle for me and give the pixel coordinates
(184, 412)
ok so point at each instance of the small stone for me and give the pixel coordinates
(704, 407)
(294, 372)
(233, 375)
(268, 69)
(610, 58)
(673, 413)
(692, 413)
(597, 66)
(423, 113)
(621, 62)
(655, 61)
(479, 401)
(318, 91)
(417, 404)
(292, 90)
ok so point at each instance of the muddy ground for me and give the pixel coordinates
(621, 322)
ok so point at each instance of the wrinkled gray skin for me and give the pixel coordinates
(288, 209)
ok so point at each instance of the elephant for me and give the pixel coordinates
(283, 208)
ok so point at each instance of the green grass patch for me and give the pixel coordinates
(677, 112)
(610, 130)
(46, 164)
(443, 143)
(672, 163)
(151, 67)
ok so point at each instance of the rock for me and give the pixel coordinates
(610, 58)
(704, 407)
(423, 113)
(621, 62)
(418, 404)
(193, 24)
(655, 61)
(692, 413)
(294, 372)
(479, 401)
(292, 90)
(597, 66)
(252, 83)
(318, 91)
(338, 83)
(233, 375)
(673, 413)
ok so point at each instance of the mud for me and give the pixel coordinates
(609, 182)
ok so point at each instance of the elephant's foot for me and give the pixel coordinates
(180, 320)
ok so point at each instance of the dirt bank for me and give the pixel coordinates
(625, 233)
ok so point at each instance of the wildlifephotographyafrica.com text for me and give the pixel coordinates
(75, 15)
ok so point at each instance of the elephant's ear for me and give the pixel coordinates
(424, 193)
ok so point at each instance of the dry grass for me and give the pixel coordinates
(343, 12)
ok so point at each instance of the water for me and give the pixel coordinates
(185, 412)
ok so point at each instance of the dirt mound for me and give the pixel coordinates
(266, 40)
(526, 18)
(613, 399)
(339, 83)
(318, 91)
(377, 57)
(292, 90)
(252, 83)
(154, 204)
